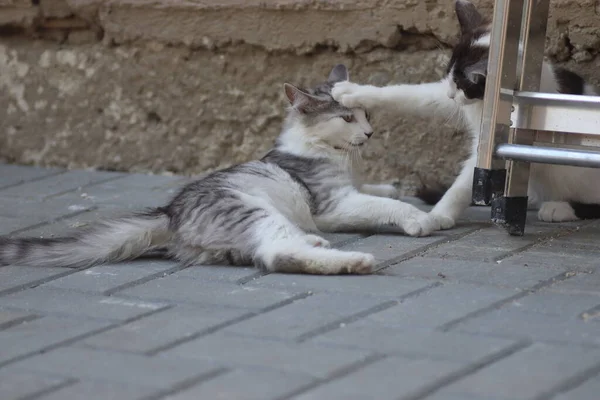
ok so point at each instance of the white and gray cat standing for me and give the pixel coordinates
(267, 212)
(561, 193)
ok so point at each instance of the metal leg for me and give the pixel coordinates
(516, 22)
(511, 211)
(489, 176)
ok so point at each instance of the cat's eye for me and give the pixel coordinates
(368, 116)
(349, 118)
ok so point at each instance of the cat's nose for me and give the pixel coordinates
(369, 134)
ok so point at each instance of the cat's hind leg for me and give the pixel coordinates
(282, 247)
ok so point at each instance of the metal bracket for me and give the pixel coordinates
(510, 213)
(488, 184)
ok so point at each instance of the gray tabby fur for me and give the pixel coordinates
(267, 212)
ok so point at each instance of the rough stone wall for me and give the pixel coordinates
(184, 86)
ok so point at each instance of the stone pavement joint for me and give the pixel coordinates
(452, 324)
(355, 317)
(571, 383)
(468, 370)
(76, 338)
(348, 370)
(226, 324)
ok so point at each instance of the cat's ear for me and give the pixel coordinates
(339, 73)
(477, 71)
(468, 16)
(301, 101)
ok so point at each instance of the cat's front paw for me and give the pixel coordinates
(419, 223)
(352, 95)
(556, 211)
(442, 221)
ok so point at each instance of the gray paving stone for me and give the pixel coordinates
(106, 277)
(66, 302)
(389, 247)
(8, 224)
(440, 305)
(128, 193)
(30, 213)
(413, 343)
(551, 303)
(503, 274)
(255, 384)
(43, 332)
(390, 378)
(374, 285)
(588, 390)
(9, 318)
(183, 290)
(581, 283)
(567, 260)
(464, 396)
(305, 316)
(209, 273)
(278, 333)
(512, 323)
(163, 328)
(18, 384)
(15, 174)
(527, 373)
(56, 184)
(137, 370)
(237, 350)
(484, 245)
(12, 277)
(93, 390)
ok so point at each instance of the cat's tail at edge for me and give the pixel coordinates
(109, 241)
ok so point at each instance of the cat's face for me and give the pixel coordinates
(326, 122)
(467, 69)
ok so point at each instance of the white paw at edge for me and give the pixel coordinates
(556, 211)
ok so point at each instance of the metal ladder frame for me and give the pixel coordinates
(521, 125)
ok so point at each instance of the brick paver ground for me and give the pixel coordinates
(467, 314)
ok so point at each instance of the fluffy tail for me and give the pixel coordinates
(110, 241)
(431, 195)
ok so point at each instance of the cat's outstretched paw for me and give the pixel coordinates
(419, 224)
(352, 95)
(316, 241)
(442, 221)
(556, 211)
(359, 263)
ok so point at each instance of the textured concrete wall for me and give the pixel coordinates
(190, 85)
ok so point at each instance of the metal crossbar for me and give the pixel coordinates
(520, 125)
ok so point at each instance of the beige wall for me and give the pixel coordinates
(186, 86)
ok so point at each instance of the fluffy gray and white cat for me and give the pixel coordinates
(266, 212)
(561, 193)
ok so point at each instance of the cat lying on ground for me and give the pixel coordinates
(267, 212)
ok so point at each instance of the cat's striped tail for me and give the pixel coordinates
(109, 241)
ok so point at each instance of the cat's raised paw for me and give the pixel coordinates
(556, 211)
(349, 94)
(442, 221)
(316, 241)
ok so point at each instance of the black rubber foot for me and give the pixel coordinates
(510, 213)
(488, 184)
